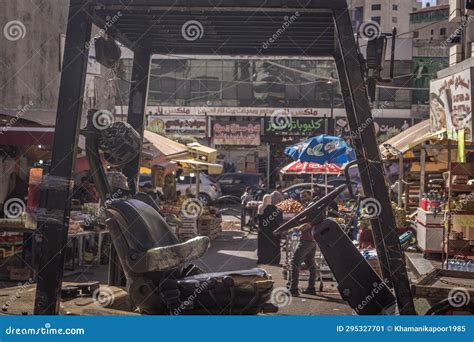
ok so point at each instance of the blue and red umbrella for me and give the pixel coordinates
(323, 149)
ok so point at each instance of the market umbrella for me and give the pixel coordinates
(298, 167)
(322, 149)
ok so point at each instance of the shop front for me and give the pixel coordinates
(182, 125)
(279, 134)
(239, 145)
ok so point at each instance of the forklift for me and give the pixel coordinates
(156, 281)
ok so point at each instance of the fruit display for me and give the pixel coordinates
(290, 206)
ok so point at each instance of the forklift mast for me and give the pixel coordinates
(242, 34)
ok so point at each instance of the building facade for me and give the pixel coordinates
(386, 13)
(30, 61)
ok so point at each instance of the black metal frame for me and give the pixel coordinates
(339, 40)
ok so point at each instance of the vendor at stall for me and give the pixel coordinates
(305, 252)
(277, 195)
(268, 245)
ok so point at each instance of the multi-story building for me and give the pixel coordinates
(386, 13)
(431, 30)
(32, 40)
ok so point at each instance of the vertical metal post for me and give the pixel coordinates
(269, 159)
(370, 163)
(422, 172)
(53, 225)
(136, 110)
(401, 173)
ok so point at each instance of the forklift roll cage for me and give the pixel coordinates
(313, 28)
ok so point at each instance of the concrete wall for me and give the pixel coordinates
(30, 62)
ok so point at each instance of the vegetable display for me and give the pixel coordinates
(290, 206)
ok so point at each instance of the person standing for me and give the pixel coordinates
(268, 245)
(245, 199)
(277, 196)
(305, 252)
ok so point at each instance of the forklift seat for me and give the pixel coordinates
(159, 276)
(152, 246)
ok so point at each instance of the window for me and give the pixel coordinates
(432, 32)
(376, 19)
(394, 20)
(416, 34)
(442, 31)
(394, 7)
(376, 7)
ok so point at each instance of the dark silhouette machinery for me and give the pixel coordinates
(321, 28)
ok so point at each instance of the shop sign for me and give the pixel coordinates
(381, 125)
(195, 126)
(430, 51)
(233, 133)
(237, 111)
(305, 127)
(451, 104)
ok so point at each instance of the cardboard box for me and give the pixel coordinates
(20, 274)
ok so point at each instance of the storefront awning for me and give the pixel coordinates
(191, 164)
(163, 147)
(408, 139)
(10, 135)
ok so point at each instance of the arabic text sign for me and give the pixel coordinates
(305, 127)
(231, 111)
(231, 133)
(195, 126)
(381, 125)
(451, 104)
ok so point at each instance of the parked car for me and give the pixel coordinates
(209, 189)
(295, 190)
(144, 180)
(234, 183)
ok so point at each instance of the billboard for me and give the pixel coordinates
(451, 104)
(235, 133)
(191, 125)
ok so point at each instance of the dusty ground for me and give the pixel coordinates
(236, 250)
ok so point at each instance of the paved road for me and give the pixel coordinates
(237, 250)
